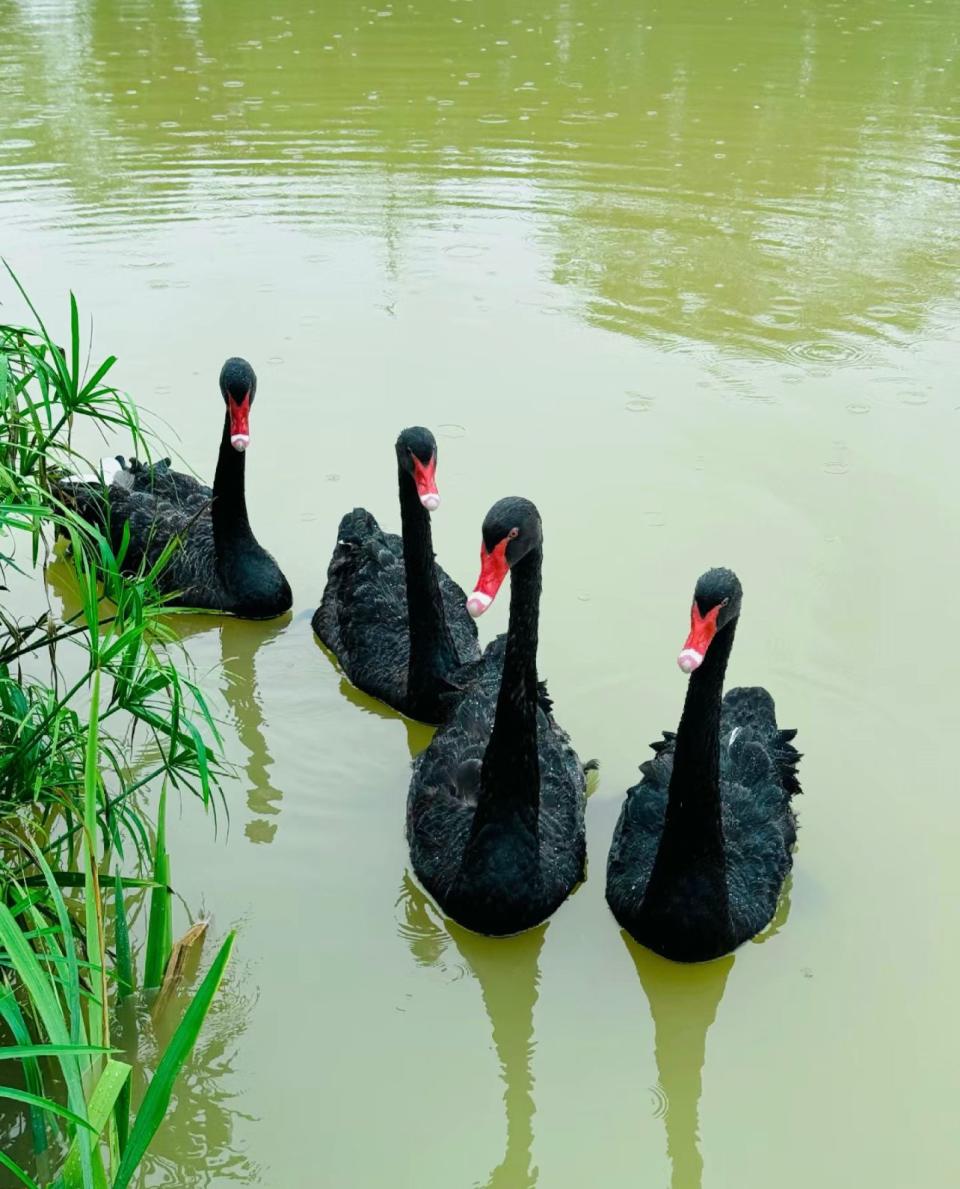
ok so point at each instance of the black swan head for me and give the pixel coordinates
(238, 387)
(511, 530)
(716, 602)
(417, 455)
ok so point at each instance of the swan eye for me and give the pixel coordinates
(725, 601)
(513, 534)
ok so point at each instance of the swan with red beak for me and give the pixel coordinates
(495, 813)
(393, 618)
(704, 841)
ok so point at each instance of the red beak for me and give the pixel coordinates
(493, 570)
(702, 630)
(239, 422)
(425, 477)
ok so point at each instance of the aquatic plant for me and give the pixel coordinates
(96, 708)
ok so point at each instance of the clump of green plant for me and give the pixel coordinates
(71, 769)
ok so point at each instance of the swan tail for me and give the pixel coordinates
(667, 743)
(85, 493)
(751, 710)
(112, 470)
(357, 528)
(658, 770)
(788, 760)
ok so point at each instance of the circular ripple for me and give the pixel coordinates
(826, 351)
(661, 1104)
(913, 397)
(451, 430)
(639, 404)
(859, 409)
(464, 251)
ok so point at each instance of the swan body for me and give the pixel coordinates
(495, 811)
(395, 620)
(218, 565)
(704, 841)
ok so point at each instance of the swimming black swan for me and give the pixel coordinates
(495, 813)
(219, 564)
(374, 577)
(703, 843)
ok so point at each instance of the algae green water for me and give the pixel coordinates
(686, 275)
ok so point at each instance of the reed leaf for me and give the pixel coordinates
(157, 1098)
(160, 926)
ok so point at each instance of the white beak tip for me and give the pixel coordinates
(240, 441)
(431, 501)
(690, 659)
(477, 603)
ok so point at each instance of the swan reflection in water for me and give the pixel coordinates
(683, 1004)
(508, 971)
(240, 641)
(419, 734)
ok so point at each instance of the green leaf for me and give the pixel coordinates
(10, 1012)
(99, 1027)
(45, 1104)
(47, 1005)
(76, 879)
(115, 1076)
(19, 1052)
(157, 1098)
(18, 1172)
(160, 927)
(125, 975)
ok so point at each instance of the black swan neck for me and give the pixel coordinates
(432, 653)
(510, 778)
(231, 526)
(692, 838)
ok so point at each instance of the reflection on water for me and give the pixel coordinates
(419, 734)
(240, 641)
(508, 971)
(683, 1004)
(671, 164)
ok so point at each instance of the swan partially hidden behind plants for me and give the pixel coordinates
(703, 843)
(495, 813)
(218, 564)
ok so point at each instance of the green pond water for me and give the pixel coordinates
(683, 273)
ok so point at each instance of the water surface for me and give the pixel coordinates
(685, 275)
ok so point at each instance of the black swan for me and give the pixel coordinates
(495, 813)
(219, 564)
(703, 843)
(372, 580)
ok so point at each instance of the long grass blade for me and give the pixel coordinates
(160, 927)
(45, 1104)
(11, 1014)
(125, 975)
(99, 1022)
(46, 1003)
(157, 1098)
(20, 1052)
(115, 1077)
(22, 1176)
